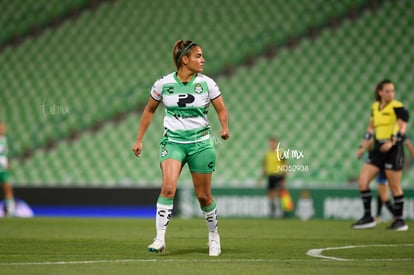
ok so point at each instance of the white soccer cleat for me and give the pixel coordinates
(214, 244)
(157, 246)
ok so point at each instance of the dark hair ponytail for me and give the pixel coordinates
(181, 48)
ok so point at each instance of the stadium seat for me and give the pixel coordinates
(105, 62)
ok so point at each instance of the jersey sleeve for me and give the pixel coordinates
(213, 89)
(401, 112)
(156, 91)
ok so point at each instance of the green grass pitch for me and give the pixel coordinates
(118, 246)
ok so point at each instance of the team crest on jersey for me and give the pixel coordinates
(198, 88)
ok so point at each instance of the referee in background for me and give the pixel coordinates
(388, 126)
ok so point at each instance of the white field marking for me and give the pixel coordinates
(312, 252)
(149, 261)
(318, 252)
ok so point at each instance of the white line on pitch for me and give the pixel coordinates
(149, 261)
(317, 252)
(312, 252)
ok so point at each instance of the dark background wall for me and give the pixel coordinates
(87, 196)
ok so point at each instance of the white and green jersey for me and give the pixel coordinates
(186, 106)
(3, 153)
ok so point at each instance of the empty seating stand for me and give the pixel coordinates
(315, 96)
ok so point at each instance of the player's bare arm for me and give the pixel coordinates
(223, 116)
(367, 141)
(146, 119)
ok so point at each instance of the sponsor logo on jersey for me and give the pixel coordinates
(184, 99)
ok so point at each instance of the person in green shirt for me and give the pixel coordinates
(4, 173)
(186, 95)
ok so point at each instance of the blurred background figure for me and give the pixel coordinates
(273, 170)
(383, 196)
(4, 174)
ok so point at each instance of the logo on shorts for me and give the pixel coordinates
(211, 164)
(198, 88)
(164, 152)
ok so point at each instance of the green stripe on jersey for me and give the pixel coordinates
(186, 112)
(188, 136)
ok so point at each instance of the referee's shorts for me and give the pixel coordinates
(275, 181)
(392, 160)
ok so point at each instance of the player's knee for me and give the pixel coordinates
(168, 192)
(204, 199)
(396, 189)
(363, 184)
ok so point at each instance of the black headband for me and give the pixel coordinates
(185, 51)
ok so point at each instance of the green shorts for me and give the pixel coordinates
(4, 177)
(200, 156)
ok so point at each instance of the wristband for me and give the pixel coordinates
(367, 136)
(400, 137)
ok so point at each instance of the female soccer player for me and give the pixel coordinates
(388, 126)
(383, 196)
(4, 174)
(186, 95)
